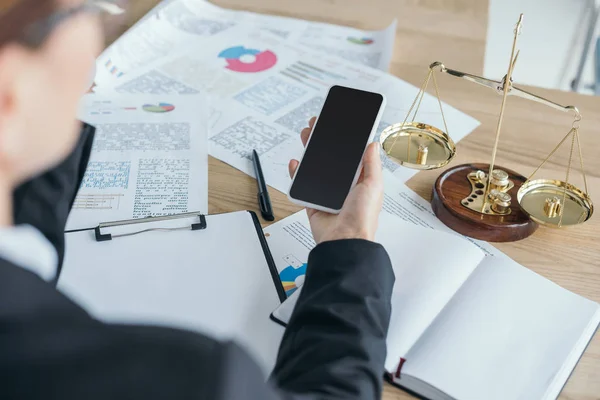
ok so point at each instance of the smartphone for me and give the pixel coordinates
(332, 160)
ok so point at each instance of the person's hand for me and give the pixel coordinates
(360, 212)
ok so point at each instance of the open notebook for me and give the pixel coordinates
(465, 326)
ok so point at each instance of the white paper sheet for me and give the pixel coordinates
(291, 239)
(371, 48)
(176, 23)
(401, 201)
(507, 334)
(150, 158)
(183, 279)
(148, 40)
(266, 109)
(425, 280)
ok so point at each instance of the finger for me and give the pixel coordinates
(311, 122)
(292, 166)
(361, 177)
(304, 135)
(372, 164)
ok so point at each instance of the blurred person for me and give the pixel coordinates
(50, 348)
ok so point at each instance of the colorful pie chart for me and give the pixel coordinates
(160, 108)
(289, 276)
(364, 40)
(242, 59)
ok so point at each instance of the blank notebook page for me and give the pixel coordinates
(508, 334)
(215, 281)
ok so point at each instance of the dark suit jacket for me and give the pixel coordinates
(50, 348)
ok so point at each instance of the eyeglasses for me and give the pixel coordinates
(39, 24)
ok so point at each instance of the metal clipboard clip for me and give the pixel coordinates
(100, 237)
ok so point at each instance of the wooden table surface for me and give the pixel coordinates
(454, 32)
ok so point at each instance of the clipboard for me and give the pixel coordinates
(211, 274)
(201, 224)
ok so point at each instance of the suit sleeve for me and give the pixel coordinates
(46, 200)
(334, 346)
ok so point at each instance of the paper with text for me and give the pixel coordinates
(291, 239)
(371, 48)
(149, 39)
(265, 91)
(149, 158)
(400, 200)
(177, 23)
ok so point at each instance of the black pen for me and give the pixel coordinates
(264, 201)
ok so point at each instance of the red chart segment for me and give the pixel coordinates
(262, 60)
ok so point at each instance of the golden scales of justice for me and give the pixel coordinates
(486, 201)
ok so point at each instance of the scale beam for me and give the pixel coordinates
(498, 87)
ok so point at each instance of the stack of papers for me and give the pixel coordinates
(173, 24)
(264, 77)
(243, 81)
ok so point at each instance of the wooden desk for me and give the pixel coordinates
(455, 32)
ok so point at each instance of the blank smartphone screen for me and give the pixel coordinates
(336, 147)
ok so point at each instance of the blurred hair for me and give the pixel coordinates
(16, 16)
(5, 5)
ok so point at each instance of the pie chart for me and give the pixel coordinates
(290, 278)
(259, 60)
(363, 41)
(160, 108)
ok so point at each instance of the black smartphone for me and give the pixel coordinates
(332, 160)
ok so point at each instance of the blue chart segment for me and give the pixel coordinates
(237, 52)
(288, 277)
(107, 175)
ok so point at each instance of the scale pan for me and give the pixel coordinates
(536, 198)
(417, 145)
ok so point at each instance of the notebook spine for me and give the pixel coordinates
(398, 373)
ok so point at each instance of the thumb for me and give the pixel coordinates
(292, 166)
(372, 164)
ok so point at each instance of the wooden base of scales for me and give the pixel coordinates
(458, 191)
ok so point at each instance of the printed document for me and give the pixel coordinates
(175, 24)
(265, 91)
(149, 158)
